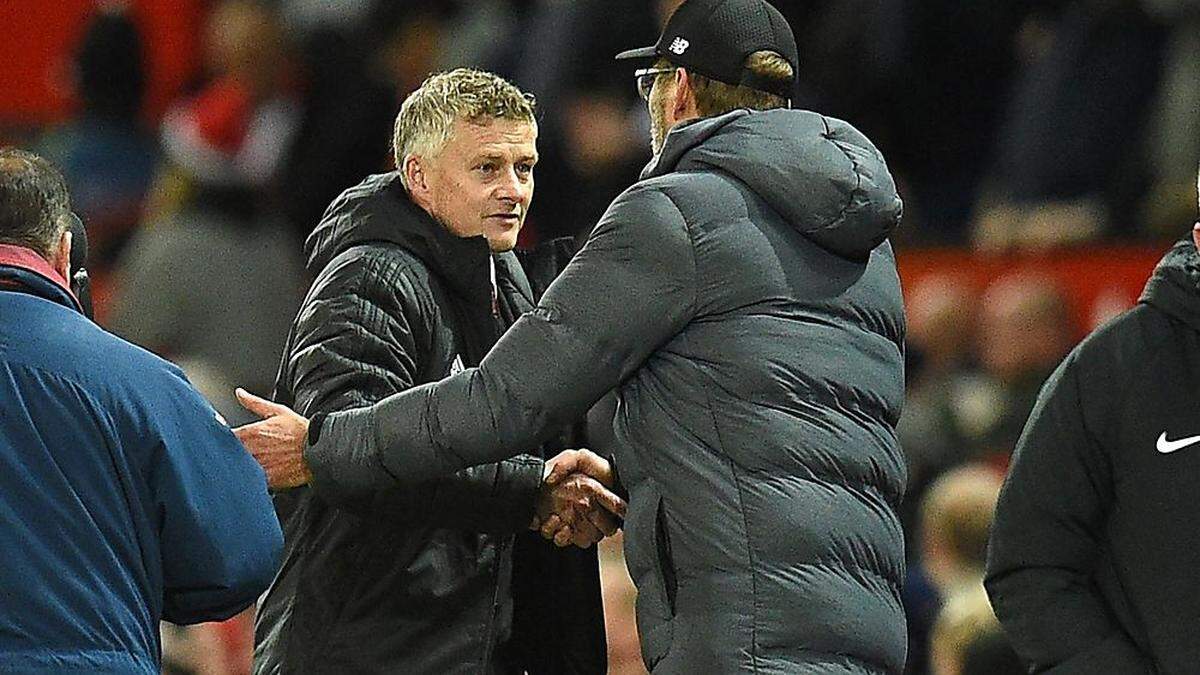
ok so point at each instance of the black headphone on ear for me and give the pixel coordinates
(81, 284)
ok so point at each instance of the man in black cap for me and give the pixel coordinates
(742, 301)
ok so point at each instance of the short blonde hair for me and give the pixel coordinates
(427, 116)
(958, 509)
(717, 98)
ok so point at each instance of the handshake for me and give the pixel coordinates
(575, 504)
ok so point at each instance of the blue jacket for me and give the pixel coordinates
(124, 498)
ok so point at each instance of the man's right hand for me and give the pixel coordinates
(575, 504)
(277, 441)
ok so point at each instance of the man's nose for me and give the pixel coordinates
(511, 187)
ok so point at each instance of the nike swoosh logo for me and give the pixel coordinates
(1167, 447)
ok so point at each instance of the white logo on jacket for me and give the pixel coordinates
(457, 366)
(1167, 447)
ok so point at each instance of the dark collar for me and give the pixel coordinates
(682, 138)
(22, 269)
(1174, 287)
(461, 261)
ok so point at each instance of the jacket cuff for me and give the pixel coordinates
(526, 487)
(314, 427)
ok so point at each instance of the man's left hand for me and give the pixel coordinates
(276, 442)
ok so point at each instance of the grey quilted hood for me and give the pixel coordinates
(819, 173)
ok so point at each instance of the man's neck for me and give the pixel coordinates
(14, 255)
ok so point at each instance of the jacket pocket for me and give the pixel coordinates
(666, 563)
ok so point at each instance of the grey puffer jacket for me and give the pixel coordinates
(742, 300)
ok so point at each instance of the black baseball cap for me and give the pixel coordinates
(714, 37)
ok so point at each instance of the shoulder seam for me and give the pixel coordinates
(687, 228)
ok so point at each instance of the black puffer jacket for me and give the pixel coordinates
(413, 579)
(743, 300)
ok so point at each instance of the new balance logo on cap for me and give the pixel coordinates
(679, 46)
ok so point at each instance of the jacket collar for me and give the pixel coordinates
(1174, 287)
(24, 270)
(379, 209)
(464, 262)
(681, 139)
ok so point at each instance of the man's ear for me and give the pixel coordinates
(61, 259)
(684, 102)
(418, 181)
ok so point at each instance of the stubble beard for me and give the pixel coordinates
(658, 127)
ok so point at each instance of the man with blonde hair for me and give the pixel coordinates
(415, 281)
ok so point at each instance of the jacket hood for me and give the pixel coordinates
(1174, 287)
(379, 210)
(823, 176)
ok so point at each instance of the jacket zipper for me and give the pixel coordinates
(490, 630)
(495, 288)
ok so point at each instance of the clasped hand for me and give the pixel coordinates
(575, 504)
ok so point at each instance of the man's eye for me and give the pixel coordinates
(524, 168)
(487, 167)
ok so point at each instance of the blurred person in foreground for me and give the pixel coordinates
(743, 301)
(1093, 555)
(956, 516)
(416, 279)
(125, 497)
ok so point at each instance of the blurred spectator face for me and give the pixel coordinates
(1024, 328)
(940, 321)
(243, 40)
(597, 132)
(411, 51)
(481, 183)
(956, 517)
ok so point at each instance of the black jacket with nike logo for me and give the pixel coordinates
(1095, 551)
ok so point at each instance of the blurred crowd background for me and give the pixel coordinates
(1046, 152)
